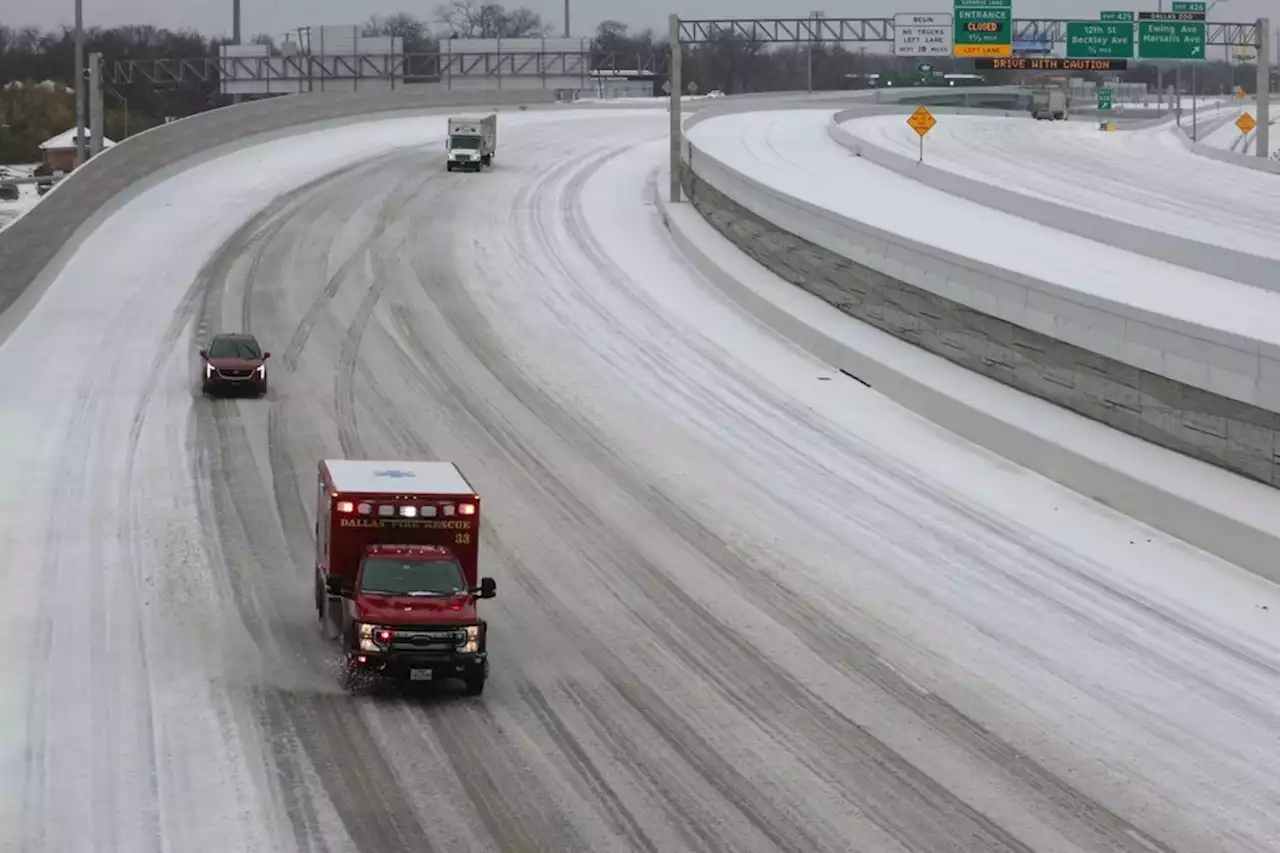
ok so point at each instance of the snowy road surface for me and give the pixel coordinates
(792, 152)
(1145, 177)
(744, 604)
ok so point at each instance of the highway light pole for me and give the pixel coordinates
(81, 142)
(813, 18)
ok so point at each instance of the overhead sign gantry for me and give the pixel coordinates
(985, 30)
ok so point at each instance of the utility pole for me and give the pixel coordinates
(566, 18)
(81, 142)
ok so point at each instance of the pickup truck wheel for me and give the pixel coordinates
(473, 682)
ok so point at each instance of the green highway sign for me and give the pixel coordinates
(983, 28)
(1116, 16)
(1104, 99)
(1171, 39)
(1190, 7)
(1099, 40)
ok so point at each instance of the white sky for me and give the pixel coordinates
(213, 17)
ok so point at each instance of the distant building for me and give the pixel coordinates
(59, 153)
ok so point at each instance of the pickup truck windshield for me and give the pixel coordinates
(391, 576)
(466, 142)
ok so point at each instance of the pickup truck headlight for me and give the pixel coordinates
(208, 370)
(374, 638)
(471, 643)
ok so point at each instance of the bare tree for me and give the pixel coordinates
(469, 19)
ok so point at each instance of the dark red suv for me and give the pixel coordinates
(235, 363)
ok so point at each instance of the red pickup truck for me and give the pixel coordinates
(396, 571)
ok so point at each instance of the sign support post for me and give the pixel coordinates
(1262, 141)
(921, 121)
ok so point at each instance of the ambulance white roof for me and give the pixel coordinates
(405, 478)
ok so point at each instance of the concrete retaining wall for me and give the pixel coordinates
(1192, 254)
(1052, 342)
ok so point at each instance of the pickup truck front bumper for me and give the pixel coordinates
(418, 666)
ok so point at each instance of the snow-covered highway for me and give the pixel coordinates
(746, 603)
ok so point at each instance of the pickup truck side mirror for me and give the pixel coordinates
(266, 355)
(204, 353)
(488, 588)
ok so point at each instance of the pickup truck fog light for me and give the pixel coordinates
(471, 644)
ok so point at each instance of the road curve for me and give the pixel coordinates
(744, 604)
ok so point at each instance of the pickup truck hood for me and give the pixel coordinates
(415, 610)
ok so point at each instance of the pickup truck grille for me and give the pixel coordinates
(427, 639)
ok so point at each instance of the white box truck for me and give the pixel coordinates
(1049, 103)
(471, 142)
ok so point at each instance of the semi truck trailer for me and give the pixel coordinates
(396, 580)
(472, 142)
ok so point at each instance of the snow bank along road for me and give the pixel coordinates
(744, 604)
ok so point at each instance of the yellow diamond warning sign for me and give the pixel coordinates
(1246, 122)
(922, 121)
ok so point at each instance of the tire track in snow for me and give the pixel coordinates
(327, 728)
(1076, 812)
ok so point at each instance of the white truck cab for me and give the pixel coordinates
(471, 142)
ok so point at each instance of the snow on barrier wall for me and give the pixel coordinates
(1192, 254)
(1058, 344)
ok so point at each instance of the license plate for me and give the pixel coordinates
(419, 675)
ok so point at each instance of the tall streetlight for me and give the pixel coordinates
(81, 142)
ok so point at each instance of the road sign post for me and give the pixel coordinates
(920, 34)
(1099, 40)
(983, 28)
(921, 121)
